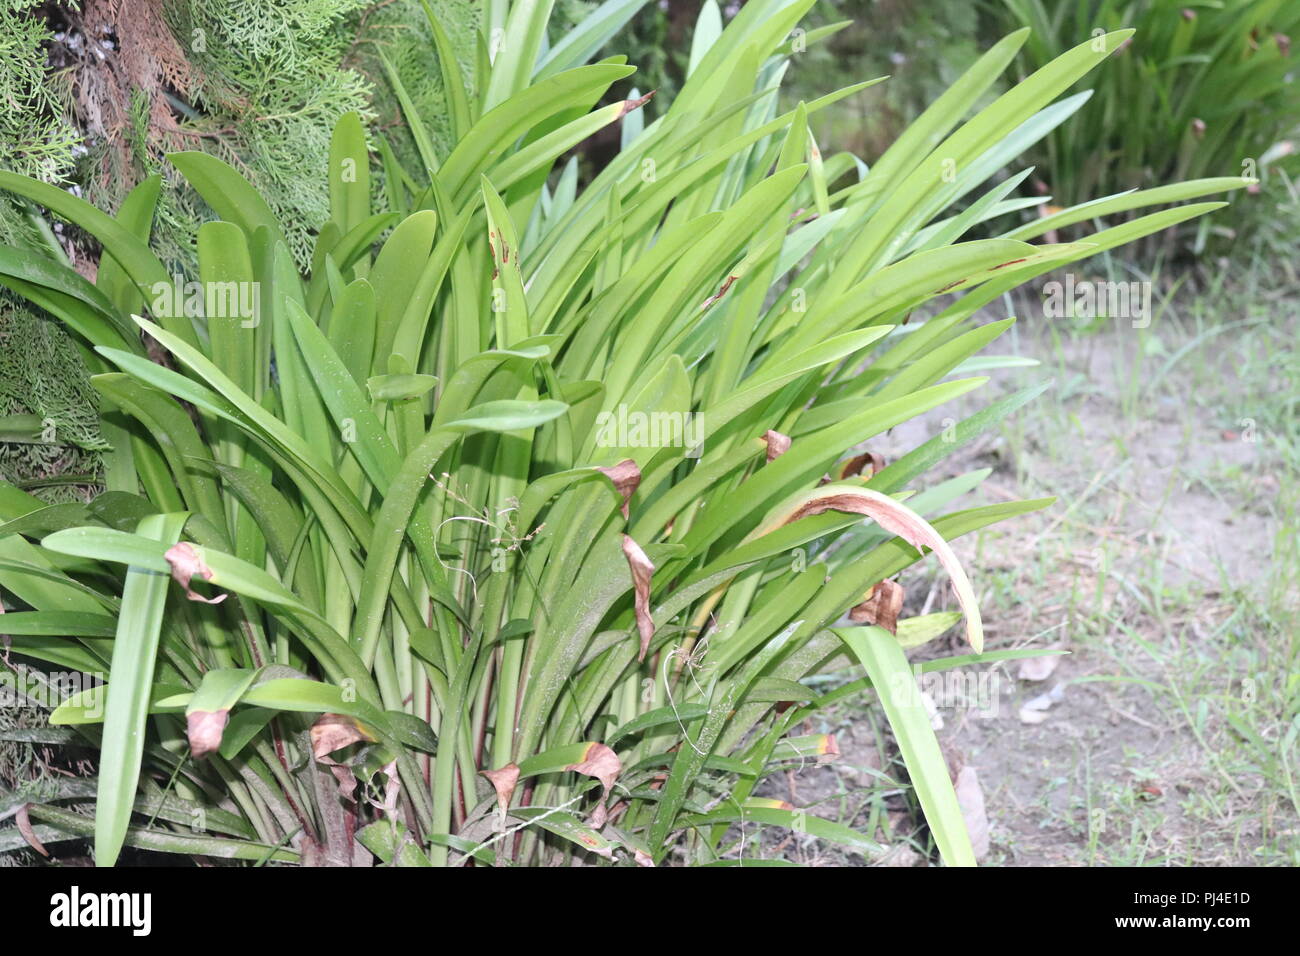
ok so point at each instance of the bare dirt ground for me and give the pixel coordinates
(1167, 570)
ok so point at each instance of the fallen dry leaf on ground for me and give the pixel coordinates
(1037, 668)
(1035, 711)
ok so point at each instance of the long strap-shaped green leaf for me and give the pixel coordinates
(134, 652)
(891, 676)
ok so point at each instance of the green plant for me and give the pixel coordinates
(527, 504)
(43, 386)
(1203, 89)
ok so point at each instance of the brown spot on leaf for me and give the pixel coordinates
(641, 570)
(593, 844)
(720, 293)
(185, 563)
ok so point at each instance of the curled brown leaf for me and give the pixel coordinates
(185, 563)
(777, 444)
(503, 781)
(626, 477)
(204, 729)
(864, 465)
(883, 604)
(333, 732)
(600, 762)
(641, 570)
(902, 521)
(392, 791)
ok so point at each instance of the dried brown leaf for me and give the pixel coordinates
(777, 444)
(186, 563)
(392, 790)
(641, 571)
(626, 477)
(204, 729)
(28, 833)
(900, 520)
(883, 605)
(722, 290)
(333, 732)
(1038, 668)
(503, 781)
(602, 763)
(864, 465)
(636, 104)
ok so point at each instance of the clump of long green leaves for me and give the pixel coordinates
(511, 532)
(1202, 89)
